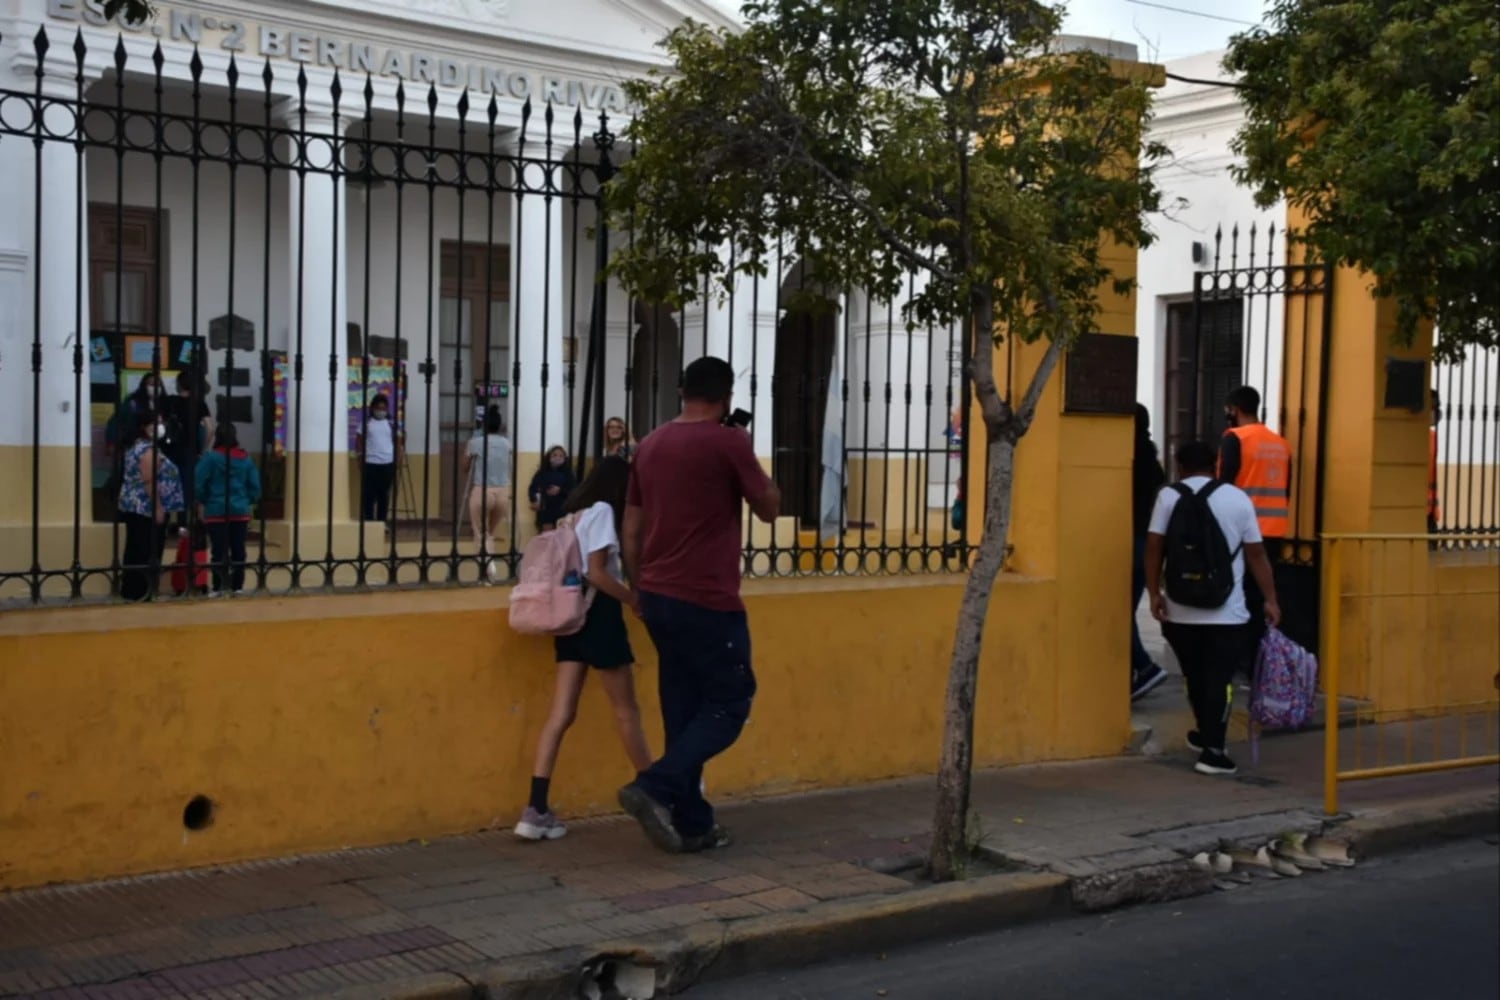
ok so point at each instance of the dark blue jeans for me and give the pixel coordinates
(1140, 660)
(706, 686)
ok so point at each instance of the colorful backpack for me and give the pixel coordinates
(1285, 688)
(550, 596)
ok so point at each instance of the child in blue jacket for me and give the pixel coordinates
(228, 487)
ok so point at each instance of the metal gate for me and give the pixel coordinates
(1262, 317)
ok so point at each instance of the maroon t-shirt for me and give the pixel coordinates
(690, 480)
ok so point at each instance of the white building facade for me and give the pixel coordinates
(313, 202)
(1212, 234)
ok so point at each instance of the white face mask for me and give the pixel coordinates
(161, 431)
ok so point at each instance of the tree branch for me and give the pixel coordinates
(996, 412)
(850, 197)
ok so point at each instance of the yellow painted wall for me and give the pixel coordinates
(1419, 628)
(323, 722)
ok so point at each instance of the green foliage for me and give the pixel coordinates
(869, 141)
(133, 11)
(1381, 118)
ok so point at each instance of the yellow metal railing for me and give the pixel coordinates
(1410, 632)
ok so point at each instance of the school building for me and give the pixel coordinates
(308, 203)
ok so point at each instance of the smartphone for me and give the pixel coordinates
(739, 418)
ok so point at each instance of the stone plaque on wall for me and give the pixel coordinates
(224, 329)
(235, 409)
(1099, 375)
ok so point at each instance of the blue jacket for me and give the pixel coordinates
(243, 482)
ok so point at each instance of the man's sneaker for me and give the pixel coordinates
(1194, 741)
(1215, 762)
(655, 818)
(713, 840)
(1146, 681)
(540, 826)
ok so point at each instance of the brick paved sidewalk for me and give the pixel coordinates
(316, 924)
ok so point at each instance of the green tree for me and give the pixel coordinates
(133, 11)
(950, 138)
(1381, 118)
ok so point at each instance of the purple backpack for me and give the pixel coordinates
(1285, 687)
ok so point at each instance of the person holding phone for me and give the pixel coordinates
(683, 517)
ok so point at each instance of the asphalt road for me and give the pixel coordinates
(1418, 926)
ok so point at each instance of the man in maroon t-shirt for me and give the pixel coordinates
(683, 555)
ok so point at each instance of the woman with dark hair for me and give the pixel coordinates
(1148, 477)
(150, 489)
(487, 470)
(597, 510)
(228, 486)
(550, 488)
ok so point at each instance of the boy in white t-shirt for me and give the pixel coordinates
(1208, 640)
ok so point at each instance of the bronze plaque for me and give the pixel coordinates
(1100, 375)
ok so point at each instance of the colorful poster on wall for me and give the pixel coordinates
(367, 383)
(101, 454)
(280, 376)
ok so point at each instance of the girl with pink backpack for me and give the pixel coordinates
(594, 513)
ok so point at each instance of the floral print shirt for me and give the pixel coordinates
(135, 492)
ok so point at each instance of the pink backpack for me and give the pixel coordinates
(1285, 687)
(550, 596)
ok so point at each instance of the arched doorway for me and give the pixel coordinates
(799, 392)
(655, 364)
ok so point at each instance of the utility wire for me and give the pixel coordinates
(1193, 13)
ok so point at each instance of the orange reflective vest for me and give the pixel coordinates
(1265, 474)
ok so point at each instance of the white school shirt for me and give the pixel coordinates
(380, 442)
(595, 529)
(1235, 512)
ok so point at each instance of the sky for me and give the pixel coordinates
(1164, 34)
(1159, 34)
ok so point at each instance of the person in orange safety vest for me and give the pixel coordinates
(1258, 461)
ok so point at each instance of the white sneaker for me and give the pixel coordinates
(540, 826)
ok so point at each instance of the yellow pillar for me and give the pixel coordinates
(1071, 524)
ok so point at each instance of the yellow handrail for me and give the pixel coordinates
(1330, 653)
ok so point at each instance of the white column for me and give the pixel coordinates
(536, 302)
(43, 295)
(317, 312)
(40, 278)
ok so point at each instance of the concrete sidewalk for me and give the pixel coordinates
(434, 920)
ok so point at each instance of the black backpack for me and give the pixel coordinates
(1199, 566)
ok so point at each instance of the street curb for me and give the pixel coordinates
(1429, 821)
(1160, 883)
(726, 949)
(718, 950)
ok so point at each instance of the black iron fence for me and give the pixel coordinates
(1463, 496)
(228, 267)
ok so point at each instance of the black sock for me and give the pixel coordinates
(539, 787)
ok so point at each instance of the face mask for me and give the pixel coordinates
(378, 414)
(1229, 419)
(161, 431)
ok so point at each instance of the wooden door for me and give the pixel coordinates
(799, 389)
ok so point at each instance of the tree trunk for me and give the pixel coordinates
(950, 847)
(1004, 426)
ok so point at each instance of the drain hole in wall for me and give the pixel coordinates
(199, 814)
